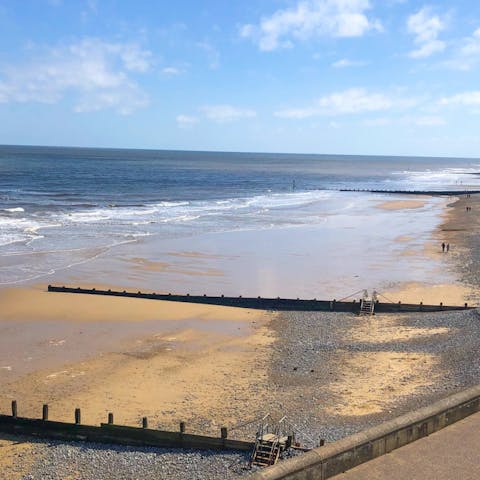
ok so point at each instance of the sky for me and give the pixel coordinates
(373, 77)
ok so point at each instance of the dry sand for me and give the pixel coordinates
(372, 381)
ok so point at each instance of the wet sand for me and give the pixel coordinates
(401, 204)
(165, 360)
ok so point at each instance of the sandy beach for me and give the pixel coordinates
(213, 366)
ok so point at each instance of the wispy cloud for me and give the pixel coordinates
(425, 26)
(310, 19)
(96, 74)
(469, 99)
(226, 113)
(348, 102)
(377, 122)
(472, 45)
(428, 121)
(172, 71)
(186, 121)
(213, 55)
(345, 62)
(417, 121)
(467, 54)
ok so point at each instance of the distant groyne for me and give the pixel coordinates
(260, 303)
(452, 193)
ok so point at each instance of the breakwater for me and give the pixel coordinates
(115, 434)
(453, 193)
(279, 304)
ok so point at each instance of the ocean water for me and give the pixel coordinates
(64, 207)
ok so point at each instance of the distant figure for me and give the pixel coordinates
(448, 247)
(443, 247)
(293, 185)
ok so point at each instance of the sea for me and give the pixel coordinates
(64, 207)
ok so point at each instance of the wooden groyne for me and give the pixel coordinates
(115, 434)
(453, 193)
(260, 303)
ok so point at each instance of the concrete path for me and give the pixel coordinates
(450, 454)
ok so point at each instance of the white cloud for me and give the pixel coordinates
(172, 71)
(472, 45)
(226, 113)
(186, 121)
(97, 74)
(467, 54)
(351, 101)
(345, 62)
(310, 19)
(426, 27)
(469, 99)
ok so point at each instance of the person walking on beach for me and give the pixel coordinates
(443, 247)
(448, 247)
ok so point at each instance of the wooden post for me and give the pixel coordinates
(334, 304)
(78, 416)
(466, 305)
(14, 408)
(289, 441)
(441, 305)
(110, 418)
(322, 442)
(144, 422)
(223, 432)
(182, 427)
(45, 413)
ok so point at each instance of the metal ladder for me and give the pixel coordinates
(367, 305)
(266, 451)
(269, 442)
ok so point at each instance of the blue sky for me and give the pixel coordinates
(397, 77)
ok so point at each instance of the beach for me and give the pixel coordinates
(331, 374)
(241, 230)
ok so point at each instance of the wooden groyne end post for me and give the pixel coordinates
(144, 422)
(223, 432)
(14, 408)
(78, 416)
(182, 427)
(110, 418)
(45, 412)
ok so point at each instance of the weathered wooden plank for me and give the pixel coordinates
(116, 434)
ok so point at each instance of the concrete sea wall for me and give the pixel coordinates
(325, 462)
